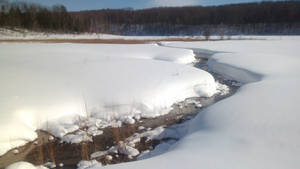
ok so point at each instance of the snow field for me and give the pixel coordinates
(257, 128)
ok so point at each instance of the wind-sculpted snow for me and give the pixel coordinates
(256, 128)
(53, 86)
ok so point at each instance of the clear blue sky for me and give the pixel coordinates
(76, 5)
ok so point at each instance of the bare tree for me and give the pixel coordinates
(206, 33)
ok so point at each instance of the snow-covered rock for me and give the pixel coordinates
(127, 150)
(88, 164)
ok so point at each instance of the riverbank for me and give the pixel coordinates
(47, 148)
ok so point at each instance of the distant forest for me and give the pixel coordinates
(281, 17)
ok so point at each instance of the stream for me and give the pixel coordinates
(175, 125)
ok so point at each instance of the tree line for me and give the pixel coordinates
(251, 18)
(279, 17)
(36, 17)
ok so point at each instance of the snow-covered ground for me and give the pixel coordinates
(21, 34)
(258, 127)
(8, 34)
(56, 86)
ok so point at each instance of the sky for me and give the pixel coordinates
(77, 5)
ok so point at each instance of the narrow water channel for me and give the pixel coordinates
(44, 150)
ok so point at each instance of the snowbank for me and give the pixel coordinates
(53, 86)
(258, 127)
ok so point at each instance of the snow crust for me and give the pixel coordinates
(256, 128)
(63, 87)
